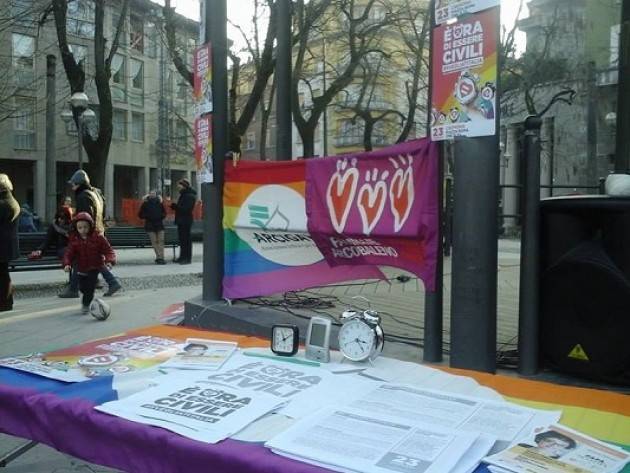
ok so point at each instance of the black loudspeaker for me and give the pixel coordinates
(585, 286)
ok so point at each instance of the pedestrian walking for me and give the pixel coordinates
(57, 237)
(184, 219)
(9, 250)
(89, 199)
(90, 251)
(152, 211)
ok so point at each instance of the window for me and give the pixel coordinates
(80, 54)
(122, 37)
(23, 12)
(119, 123)
(181, 135)
(80, 19)
(24, 124)
(136, 33)
(182, 89)
(137, 74)
(23, 51)
(118, 69)
(250, 142)
(137, 127)
(350, 133)
(119, 93)
(150, 40)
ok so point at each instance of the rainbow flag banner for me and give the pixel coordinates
(269, 243)
(266, 244)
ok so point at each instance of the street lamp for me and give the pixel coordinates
(79, 101)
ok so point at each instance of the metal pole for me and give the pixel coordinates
(433, 301)
(622, 153)
(51, 172)
(591, 122)
(325, 123)
(530, 253)
(80, 139)
(212, 193)
(283, 71)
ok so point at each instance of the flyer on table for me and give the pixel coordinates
(558, 449)
(464, 77)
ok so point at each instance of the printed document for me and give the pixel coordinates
(558, 449)
(201, 354)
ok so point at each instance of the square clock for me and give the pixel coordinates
(285, 339)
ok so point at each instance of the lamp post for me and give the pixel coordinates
(79, 101)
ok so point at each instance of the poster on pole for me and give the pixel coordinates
(447, 9)
(203, 148)
(464, 77)
(202, 80)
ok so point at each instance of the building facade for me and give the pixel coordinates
(149, 149)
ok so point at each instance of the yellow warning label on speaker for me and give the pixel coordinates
(578, 353)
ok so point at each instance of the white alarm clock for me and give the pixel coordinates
(361, 336)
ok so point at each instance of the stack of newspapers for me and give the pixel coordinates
(398, 427)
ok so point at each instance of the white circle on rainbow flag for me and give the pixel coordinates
(272, 221)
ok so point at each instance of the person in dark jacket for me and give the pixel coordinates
(57, 237)
(153, 212)
(26, 222)
(89, 250)
(89, 199)
(9, 249)
(184, 219)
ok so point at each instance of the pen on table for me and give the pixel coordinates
(298, 361)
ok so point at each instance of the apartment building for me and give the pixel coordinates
(149, 149)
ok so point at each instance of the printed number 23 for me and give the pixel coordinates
(406, 461)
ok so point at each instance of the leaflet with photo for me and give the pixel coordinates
(201, 354)
(195, 409)
(558, 449)
(36, 364)
(344, 439)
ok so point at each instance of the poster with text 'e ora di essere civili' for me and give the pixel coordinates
(464, 77)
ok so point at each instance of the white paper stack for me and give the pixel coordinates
(196, 409)
(349, 440)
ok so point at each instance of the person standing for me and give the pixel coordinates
(184, 219)
(153, 212)
(9, 249)
(88, 199)
(89, 250)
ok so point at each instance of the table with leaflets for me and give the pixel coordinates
(63, 415)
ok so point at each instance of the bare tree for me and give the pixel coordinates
(97, 148)
(358, 34)
(533, 71)
(263, 62)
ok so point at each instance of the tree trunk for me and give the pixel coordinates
(367, 135)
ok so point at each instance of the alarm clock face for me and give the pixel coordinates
(284, 339)
(357, 340)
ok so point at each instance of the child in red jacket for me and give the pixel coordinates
(90, 250)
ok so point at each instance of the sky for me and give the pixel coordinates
(240, 12)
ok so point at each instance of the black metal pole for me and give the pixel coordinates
(622, 153)
(433, 300)
(530, 252)
(51, 120)
(475, 248)
(212, 193)
(283, 75)
(474, 261)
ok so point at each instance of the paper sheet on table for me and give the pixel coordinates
(196, 409)
(348, 440)
(500, 419)
(558, 449)
(201, 354)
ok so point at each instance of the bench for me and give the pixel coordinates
(118, 236)
(122, 236)
(30, 242)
